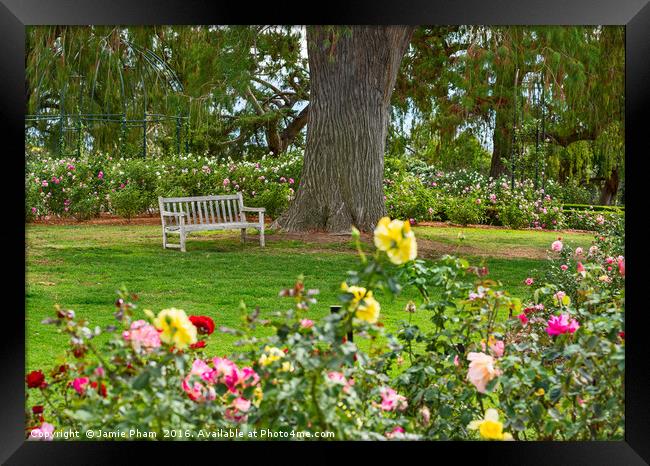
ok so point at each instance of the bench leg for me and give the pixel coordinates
(262, 229)
(164, 238)
(182, 235)
(243, 235)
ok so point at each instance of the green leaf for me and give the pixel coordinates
(83, 415)
(141, 381)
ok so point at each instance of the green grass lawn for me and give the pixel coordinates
(80, 267)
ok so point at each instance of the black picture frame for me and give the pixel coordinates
(15, 14)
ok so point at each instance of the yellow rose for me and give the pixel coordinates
(489, 427)
(258, 396)
(368, 310)
(177, 329)
(366, 306)
(270, 355)
(287, 366)
(396, 239)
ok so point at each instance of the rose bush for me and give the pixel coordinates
(490, 366)
(83, 187)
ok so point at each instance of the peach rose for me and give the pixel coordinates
(481, 370)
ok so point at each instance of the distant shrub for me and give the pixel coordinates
(465, 210)
(129, 201)
(408, 198)
(275, 199)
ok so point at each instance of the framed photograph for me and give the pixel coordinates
(380, 227)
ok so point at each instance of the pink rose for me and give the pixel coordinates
(498, 348)
(558, 325)
(339, 378)
(79, 384)
(336, 377)
(522, 317)
(142, 336)
(564, 267)
(397, 432)
(529, 281)
(391, 400)
(557, 245)
(241, 404)
(306, 323)
(43, 432)
(196, 390)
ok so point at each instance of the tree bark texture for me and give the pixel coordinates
(503, 122)
(501, 141)
(609, 189)
(352, 75)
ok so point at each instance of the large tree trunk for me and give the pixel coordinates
(501, 141)
(352, 75)
(609, 189)
(504, 120)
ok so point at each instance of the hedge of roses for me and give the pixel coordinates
(548, 366)
(84, 187)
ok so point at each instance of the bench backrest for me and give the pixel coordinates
(204, 210)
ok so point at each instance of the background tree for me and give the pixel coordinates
(499, 82)
(243, 88)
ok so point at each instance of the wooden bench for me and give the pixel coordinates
(183, 215)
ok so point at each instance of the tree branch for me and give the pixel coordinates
(253, 100)
(293, 129)
(565, 140)
(277, 91)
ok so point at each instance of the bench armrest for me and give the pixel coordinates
(172, 214)
(253, 209)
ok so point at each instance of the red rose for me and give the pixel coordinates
(198, 344)
(203, 324)
(621, 335)
(102, 388)
(79, 351)
(37, 409)
(35, 379)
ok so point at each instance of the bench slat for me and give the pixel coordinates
(211, 212)
(222, 208)
(200, 211)
(227, 202)
(216, 226)
(173, 205)
(204, 213)
(199, 198)
(193, 213)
